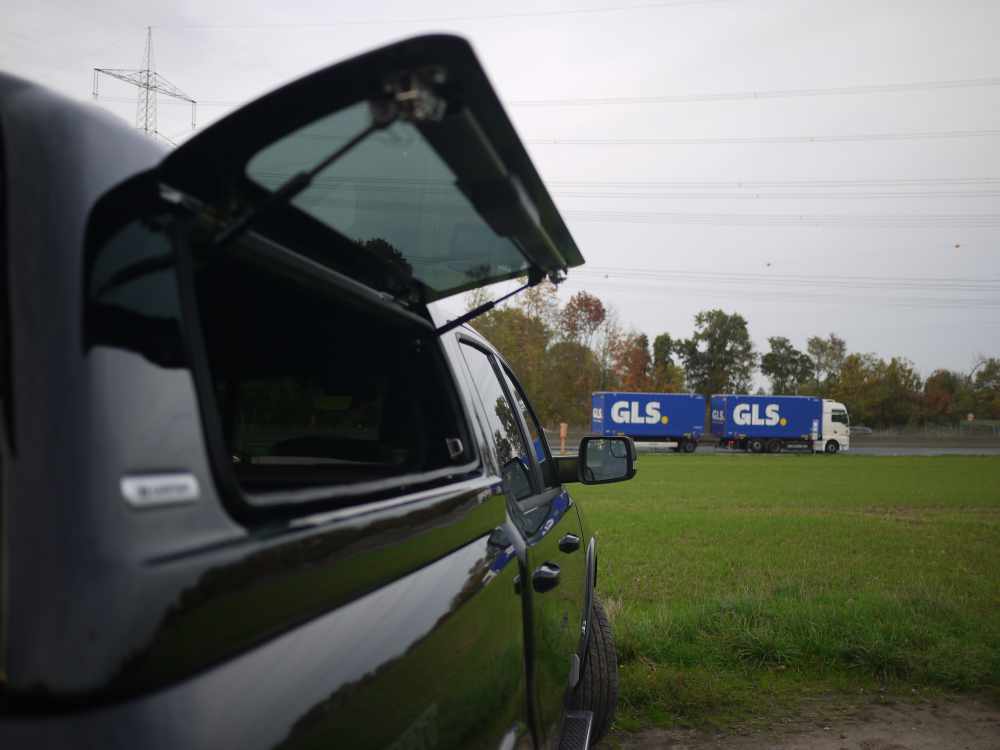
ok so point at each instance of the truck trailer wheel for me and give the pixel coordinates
(688, 446)
(756, 445)
(597, 690)
(774, 446)
(832, 446)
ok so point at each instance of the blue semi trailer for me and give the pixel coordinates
(652, 417)
(773, 423)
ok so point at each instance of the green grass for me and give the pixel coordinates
(741, 585)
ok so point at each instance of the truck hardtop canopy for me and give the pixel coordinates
(398, 168)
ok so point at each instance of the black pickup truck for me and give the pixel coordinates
(259, 490)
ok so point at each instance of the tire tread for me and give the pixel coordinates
(597, 690)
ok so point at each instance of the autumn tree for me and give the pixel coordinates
(572, 371)
(667, 377)
(987, 373)
(785, 366)
(827, 355)
(540, 302)
(986, 388)
(877, 392)
(581, 317)
(719, 357)
(634, 363)
(943, 392)
(899, 390)
(607, 342)
(856, 387)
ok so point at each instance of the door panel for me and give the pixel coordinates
(554, 580)
(555, 539)
(555, 545)
(556, 613)
(432, 660)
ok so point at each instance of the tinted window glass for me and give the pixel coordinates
(515, 461)
(311, 391)
(131, 282)
(395, 197)
(840, 416)
(535, 434)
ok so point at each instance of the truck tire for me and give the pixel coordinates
(689, 446)
(756, 445)
(597, 690)
(832, 446)
(774, 446)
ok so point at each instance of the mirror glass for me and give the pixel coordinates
(605, 459)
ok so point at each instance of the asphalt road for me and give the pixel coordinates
(918, 450)
(882, 449)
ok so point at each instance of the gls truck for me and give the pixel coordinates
(650, 417)
(774, 423)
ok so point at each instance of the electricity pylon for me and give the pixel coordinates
(150, 83)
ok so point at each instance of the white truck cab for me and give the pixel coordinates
(836, 428)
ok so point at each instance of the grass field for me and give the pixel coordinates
(740, 586)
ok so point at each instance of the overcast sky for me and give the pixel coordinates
(858, 192)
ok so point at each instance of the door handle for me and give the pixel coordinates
(569, 543)
(545, 578)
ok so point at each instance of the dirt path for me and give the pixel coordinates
(941, 725)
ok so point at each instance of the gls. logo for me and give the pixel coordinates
(598, 414)
(749, 414)
(627, 412)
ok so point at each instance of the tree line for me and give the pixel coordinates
(564, 352)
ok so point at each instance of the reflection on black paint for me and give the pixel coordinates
(131, 299)
(459, 684)
(157, 339)
(291, 581)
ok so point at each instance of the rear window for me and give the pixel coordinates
(395, 197)
(311, 393)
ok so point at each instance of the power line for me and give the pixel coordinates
(885, 88)
(909, 283)
(450, 197)
(777, 196)
(785, 297)
(451, 19)
(806, 220)
(726, 141)
(418, 183)
(809, 277)
(431, 182)
(729, 96)
(426, 187)
(781, 139)
(757, 184)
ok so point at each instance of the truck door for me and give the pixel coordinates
(836, 424)
(554, 566)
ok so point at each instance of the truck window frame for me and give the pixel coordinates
(533, 469)
(247, 507)
(546, 466)
(526, 512)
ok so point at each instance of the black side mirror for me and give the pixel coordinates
(606, 459)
